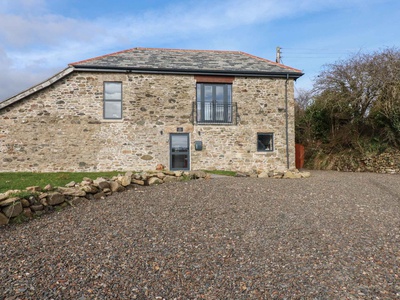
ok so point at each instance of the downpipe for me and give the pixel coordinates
(287, 122)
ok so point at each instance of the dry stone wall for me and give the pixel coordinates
(61, 128)
(35, 201)
(348, 161)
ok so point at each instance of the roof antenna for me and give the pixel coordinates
(278, 55)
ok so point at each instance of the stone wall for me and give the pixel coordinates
(16, 205)
(353, 161)
(61, 127)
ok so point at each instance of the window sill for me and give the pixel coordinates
(210, 123)
(264, 152)
(112, 120)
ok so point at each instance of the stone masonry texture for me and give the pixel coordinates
(61, 128)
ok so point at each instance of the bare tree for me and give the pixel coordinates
(303, 98)
(303, 126)
(386, 111)
(360, 98)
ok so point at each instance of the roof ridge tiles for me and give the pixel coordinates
(186, 50)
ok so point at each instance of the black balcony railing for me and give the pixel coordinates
(214, 113)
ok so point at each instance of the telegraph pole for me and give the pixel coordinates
(278, 55)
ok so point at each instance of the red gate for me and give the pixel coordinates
(299, 156)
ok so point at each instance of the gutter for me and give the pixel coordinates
(294, 75)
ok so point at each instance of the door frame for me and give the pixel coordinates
(171, 154)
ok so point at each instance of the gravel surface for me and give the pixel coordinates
(331, 236)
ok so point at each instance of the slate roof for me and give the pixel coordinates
(175, 61)
(188, 61)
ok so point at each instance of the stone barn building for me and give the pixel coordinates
(136, 109)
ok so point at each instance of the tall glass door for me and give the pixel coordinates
(179, 151)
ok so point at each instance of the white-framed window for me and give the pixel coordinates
(112, 108)
(265, 142)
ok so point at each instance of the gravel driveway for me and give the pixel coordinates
(331, 236)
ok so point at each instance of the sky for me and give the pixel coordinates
(39, 38)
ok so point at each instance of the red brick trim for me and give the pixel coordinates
(214, 79)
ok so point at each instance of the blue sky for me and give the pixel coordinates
(40, 37)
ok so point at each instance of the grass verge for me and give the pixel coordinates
(21, 180)
(221, 172)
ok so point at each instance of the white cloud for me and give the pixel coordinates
(44, 30)
(14, 80)
(38, 42)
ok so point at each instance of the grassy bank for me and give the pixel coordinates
(21, 180)
(221, 172)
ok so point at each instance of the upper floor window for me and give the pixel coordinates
(112, 100)
(214, 103)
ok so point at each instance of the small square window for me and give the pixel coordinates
(265, 142)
